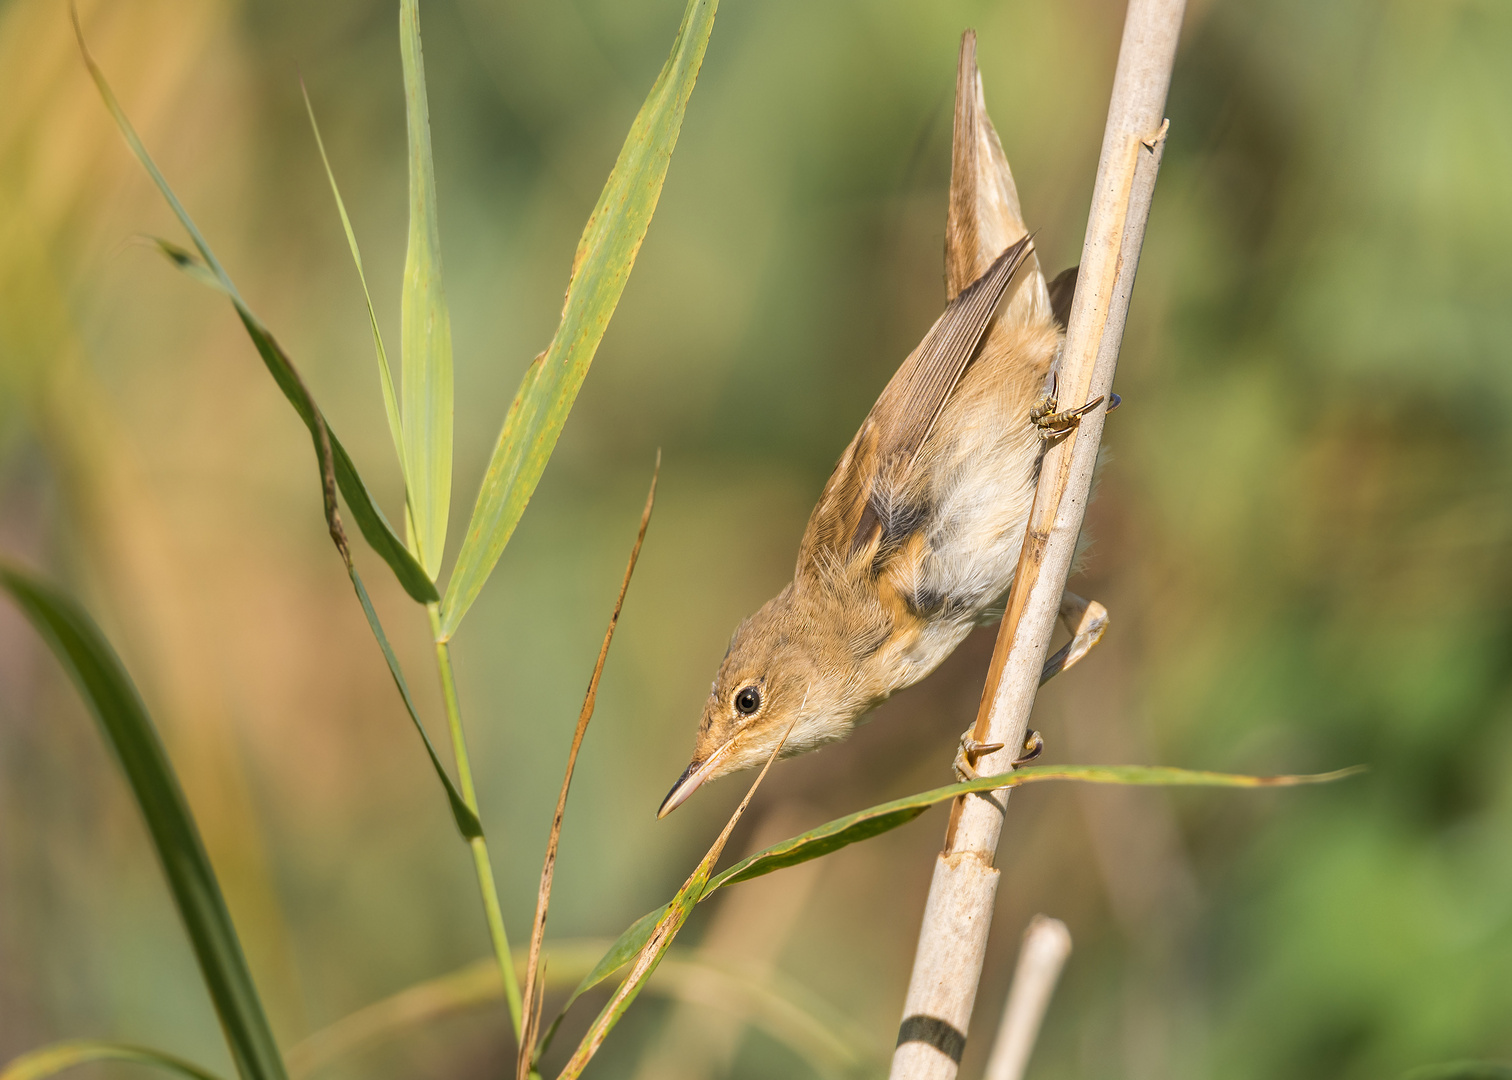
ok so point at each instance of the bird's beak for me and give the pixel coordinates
(693, 776)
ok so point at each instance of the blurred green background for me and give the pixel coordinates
(1302, 530)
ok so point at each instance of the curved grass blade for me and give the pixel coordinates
(663, 932)
(111, 696)
(532, 1021)
(370, 520)
(425, 323)
(51, 1060)
(605, 255)
(385, 374)
(865, 824)
(467, 821)
(624, 949)
(876, 820)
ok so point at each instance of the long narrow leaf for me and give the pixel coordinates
(338, 470)
(425, 331)
(51, 1060)
(370, 520)
(467, 821)
(624, 949)
(605, 255)
(385, 375)
(875, 820)
(113, 699)
(865, 824)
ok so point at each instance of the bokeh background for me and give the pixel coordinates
(1303, 527)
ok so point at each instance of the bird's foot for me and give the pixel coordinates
(971, 752)
(1087, 620)
(1053, 424)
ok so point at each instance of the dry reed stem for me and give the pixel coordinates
(1046, 945)
(532, 1017)
(958, 914)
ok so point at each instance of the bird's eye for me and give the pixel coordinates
(748, 701)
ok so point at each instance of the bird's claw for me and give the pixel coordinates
(1034, 746)
(971, 751)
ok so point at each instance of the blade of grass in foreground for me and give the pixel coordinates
(605, 255)
(875, 820)
(51, 1060)
(370, 520)
(105, 686)
(425, 323)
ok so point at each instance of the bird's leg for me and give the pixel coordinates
(1087, 620)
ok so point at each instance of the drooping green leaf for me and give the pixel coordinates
(425, 331)
(105, 686)
(876, 820)
(663, 931)
(467, 821)
(370, 520)
(385, 375)
(51, 1060)
(605, 255)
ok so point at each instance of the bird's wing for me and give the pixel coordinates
(984, 216)
(848, 515)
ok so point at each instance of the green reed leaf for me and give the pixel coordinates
(663, 931)
(876, 820)
(107, 689)
(51, 1060)
(385, 374)
(339, 472)
(605, 256)
(467, 821)
(425, 330)
(624, 949)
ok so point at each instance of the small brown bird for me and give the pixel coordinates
(917, 533)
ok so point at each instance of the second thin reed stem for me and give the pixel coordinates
(481, 862)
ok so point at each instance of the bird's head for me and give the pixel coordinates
(781, 676)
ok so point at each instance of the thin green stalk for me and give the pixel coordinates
(481, 862)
